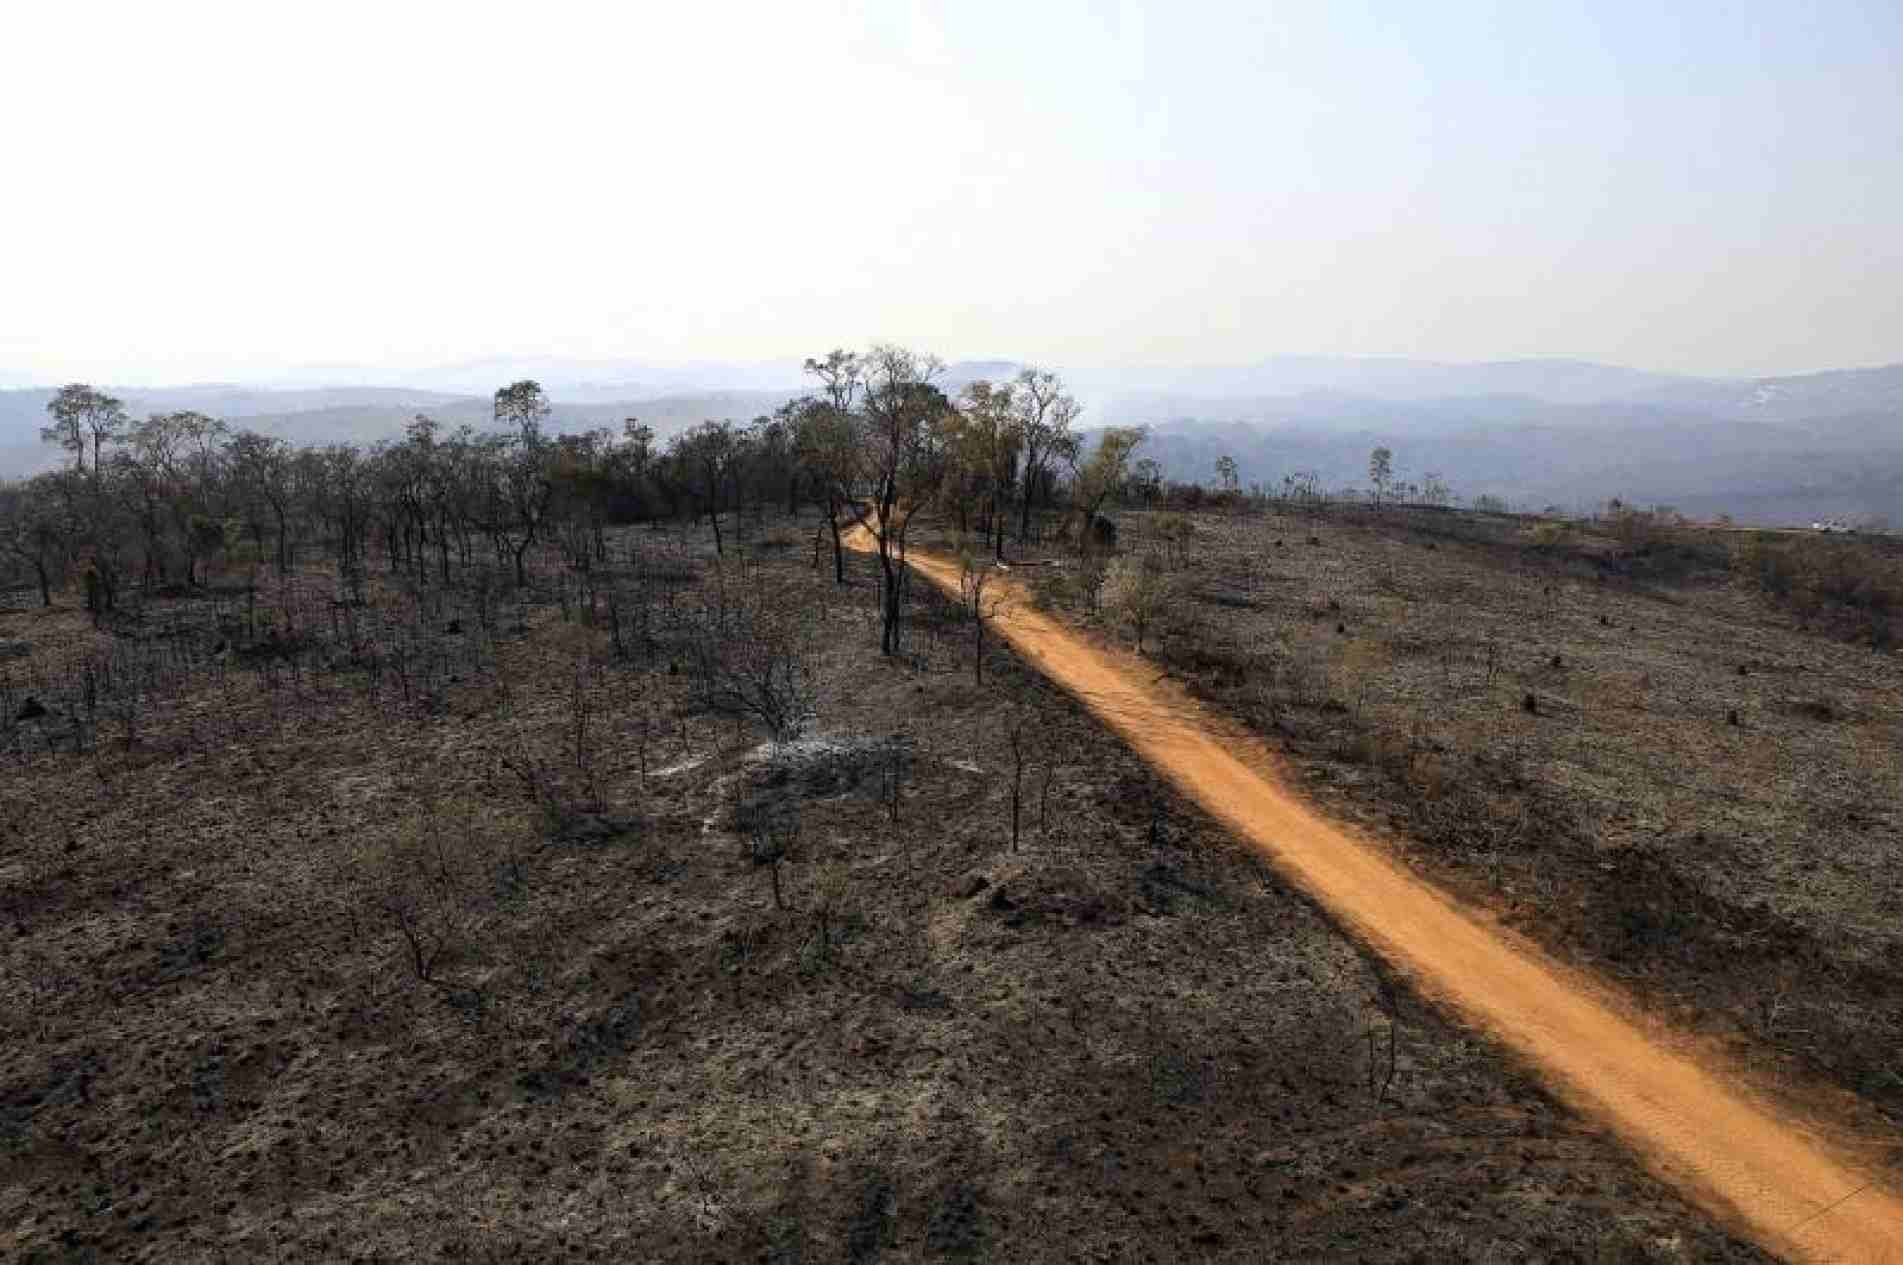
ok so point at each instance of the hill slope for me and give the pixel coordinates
(1118, 1036)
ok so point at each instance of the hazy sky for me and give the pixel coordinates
(199, 190)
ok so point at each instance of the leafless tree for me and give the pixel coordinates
(707, 456)
(1386, 1004)
(772, 831)
(892, 773)
(427, 883)
(581, 717)
(1044, 799)
(826, 440)
(752, 661)
(903, 457)
(829, 898)
(1015, 735)
(974, 581)
(521, 492)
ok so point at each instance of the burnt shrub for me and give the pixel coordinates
(1854, 587)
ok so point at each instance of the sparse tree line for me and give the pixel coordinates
(1297, 491)
(393, 573)
(169, 499)
(393, 578)
(165, 500)
(205, 548)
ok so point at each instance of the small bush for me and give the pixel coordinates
(1858, 583)
(433, 880)
(1137, 591)
(1550, 535)
(752, 660)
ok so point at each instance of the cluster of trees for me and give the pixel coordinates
(166, 499)
(1298, 489)
(881, 440)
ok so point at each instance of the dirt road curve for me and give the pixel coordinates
(1759, 1171)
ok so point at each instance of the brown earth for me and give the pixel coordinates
(1669, 756)
(1123, 1039)
(1737, 1154)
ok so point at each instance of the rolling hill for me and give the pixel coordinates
(1534, 432)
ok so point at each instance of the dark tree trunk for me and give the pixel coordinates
(978, 672)
(839, 550)
(888, 602)
(1017, 781)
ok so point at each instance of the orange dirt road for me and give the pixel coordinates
(1768, 1176)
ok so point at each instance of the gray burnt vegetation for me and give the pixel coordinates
(501, 843)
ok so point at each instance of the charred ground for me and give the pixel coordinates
(443, 924)
(1668, 752)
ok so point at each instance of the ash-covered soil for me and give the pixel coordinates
(301, 971)
(1622, 745)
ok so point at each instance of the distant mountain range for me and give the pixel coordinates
(1772, 450)
(1555, 381)
(575, 381)
(1847, 467)
(1315, 385)
(1533, 431)
(361, 415)
(1833, 393)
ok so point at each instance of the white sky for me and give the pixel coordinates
(199, 190)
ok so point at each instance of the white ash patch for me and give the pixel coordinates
(680, 766)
